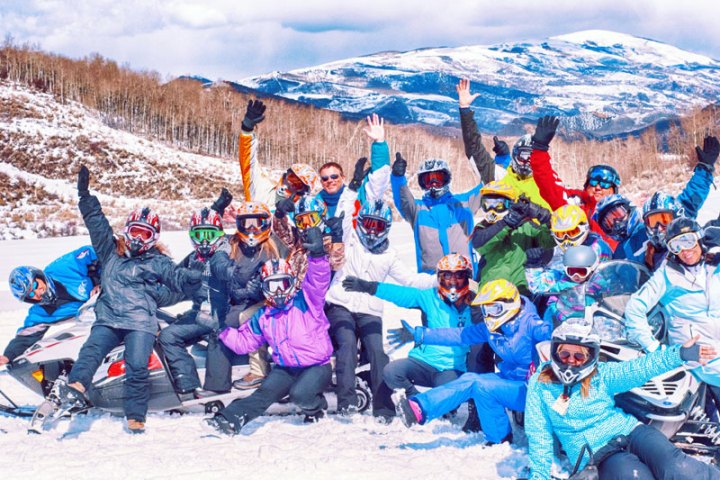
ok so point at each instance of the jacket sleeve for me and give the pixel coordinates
(636, 310)
(282, 230)
(539, 431)
(257, 187)
(549, 184)
(406, 297)
(696, 192)
(404, 276)
(470, 335)
(497, 232)
(622, 376)
(546, 280)
(483, 163)
(221, 266)
(316, 284)
(101, 233)
(347, 205)
(403, 198)
(246, 338)
(378, 181)
(175, 277)
(540, 329)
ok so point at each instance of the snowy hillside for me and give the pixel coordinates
(600, 82)
(43, 143)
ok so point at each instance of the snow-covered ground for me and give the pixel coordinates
(269, 447)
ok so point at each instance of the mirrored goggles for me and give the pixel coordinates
(568, 234)
(306, 220)
(140, 232)
(494, 309)
(253, 224)
(578, 272)
(373, 225)
(523, 156)
(682, 242)
(654, 219)
(494, 203)
(595, 181)
(433, 179)
(616, 215)
(565, 356)
(35, 285)
(210, 235)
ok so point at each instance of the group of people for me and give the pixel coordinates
(310, 266)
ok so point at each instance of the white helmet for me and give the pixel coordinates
(574, 331)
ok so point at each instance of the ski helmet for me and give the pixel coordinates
(453, 274)
(310, 211)
(521, 151)
(300, 179)
(574, 331)
(206, 229)
(434, 177)
(616, 216)
(278, 282)
(496, 199)
(603, 175)
(253, 222)
(142, 230)
(658, 211)
(373, 223)
(683, 233)
(499, 302)
(569, 226)
(580, 262)
(24, 282)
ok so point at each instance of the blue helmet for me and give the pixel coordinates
(603, 175)
(23, 282)
(373, 223)
(658, 211)
(616, 216)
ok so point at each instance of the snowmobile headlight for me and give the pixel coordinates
(610, 329)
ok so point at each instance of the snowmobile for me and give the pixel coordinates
(54, 355)
(672, 402)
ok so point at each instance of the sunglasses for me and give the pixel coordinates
(34, 287)
(595, 181)
(652, 220)
(333, 176)
(209, 235)
(253, 224)
(686, 241)
(614, 216)
(141, 232)
(564, 356)
(497, 204)
(307, 220)
(373, 225)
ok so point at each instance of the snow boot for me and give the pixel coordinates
(248, 382)
(135, 427)
(220, 424)
(313, 418)
(472, 424)
(410, 412)
(66, 397)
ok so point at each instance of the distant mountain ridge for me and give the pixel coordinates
(601, 83)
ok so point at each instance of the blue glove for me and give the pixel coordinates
(398, 337)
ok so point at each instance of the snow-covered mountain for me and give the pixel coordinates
(602, 83)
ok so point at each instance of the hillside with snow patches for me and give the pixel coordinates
(601, 83)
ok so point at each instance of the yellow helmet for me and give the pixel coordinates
(569, 226)
(497, 197)
(499, 301)
(453, 273)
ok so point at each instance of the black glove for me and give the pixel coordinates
(397, 337)
(501, 148)
(222, 201)
(335, 225)
(399, 166)
(358, 174)
(283, 207)
(538, 257)
(254, 114)
(709, 153)
(193, 276)
(83, 183)
(542, 215)
(313, 242)
(544, 132)
(516, 216)
(354, 284)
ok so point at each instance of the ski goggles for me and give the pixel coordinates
(306, 220)
(565, 356)
(496, 204)
(31, 293)
(210, 235)
(598, 181)
(373, 225)
(459, 278)
(333, 176)
(654, 219)
(571, 234)
(140, 232)
(682, 242)
(617, 215)
(495, 309)
(603, 176)
(253, 224)
(433, 179)
(279, 284)
(523, 155)
(578, 273)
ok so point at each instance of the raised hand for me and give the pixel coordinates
(708, 155)
(222, 201)
(500, 147)
(375, 128)
(254, 114)
(313, 243)
(544, 132)
(335, 225)
(83, 182)
(399, 166)
(465, 98)
(358, 174)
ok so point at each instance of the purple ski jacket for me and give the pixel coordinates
(298, 333)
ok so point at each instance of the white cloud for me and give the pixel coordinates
(232, 39)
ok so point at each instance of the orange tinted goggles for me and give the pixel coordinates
(659, 218)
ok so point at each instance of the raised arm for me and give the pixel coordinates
(483, 163)
(697, 189)
(402, 196)
(257, 187)
(101, 233)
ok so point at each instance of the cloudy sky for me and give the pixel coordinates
(232, 39)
